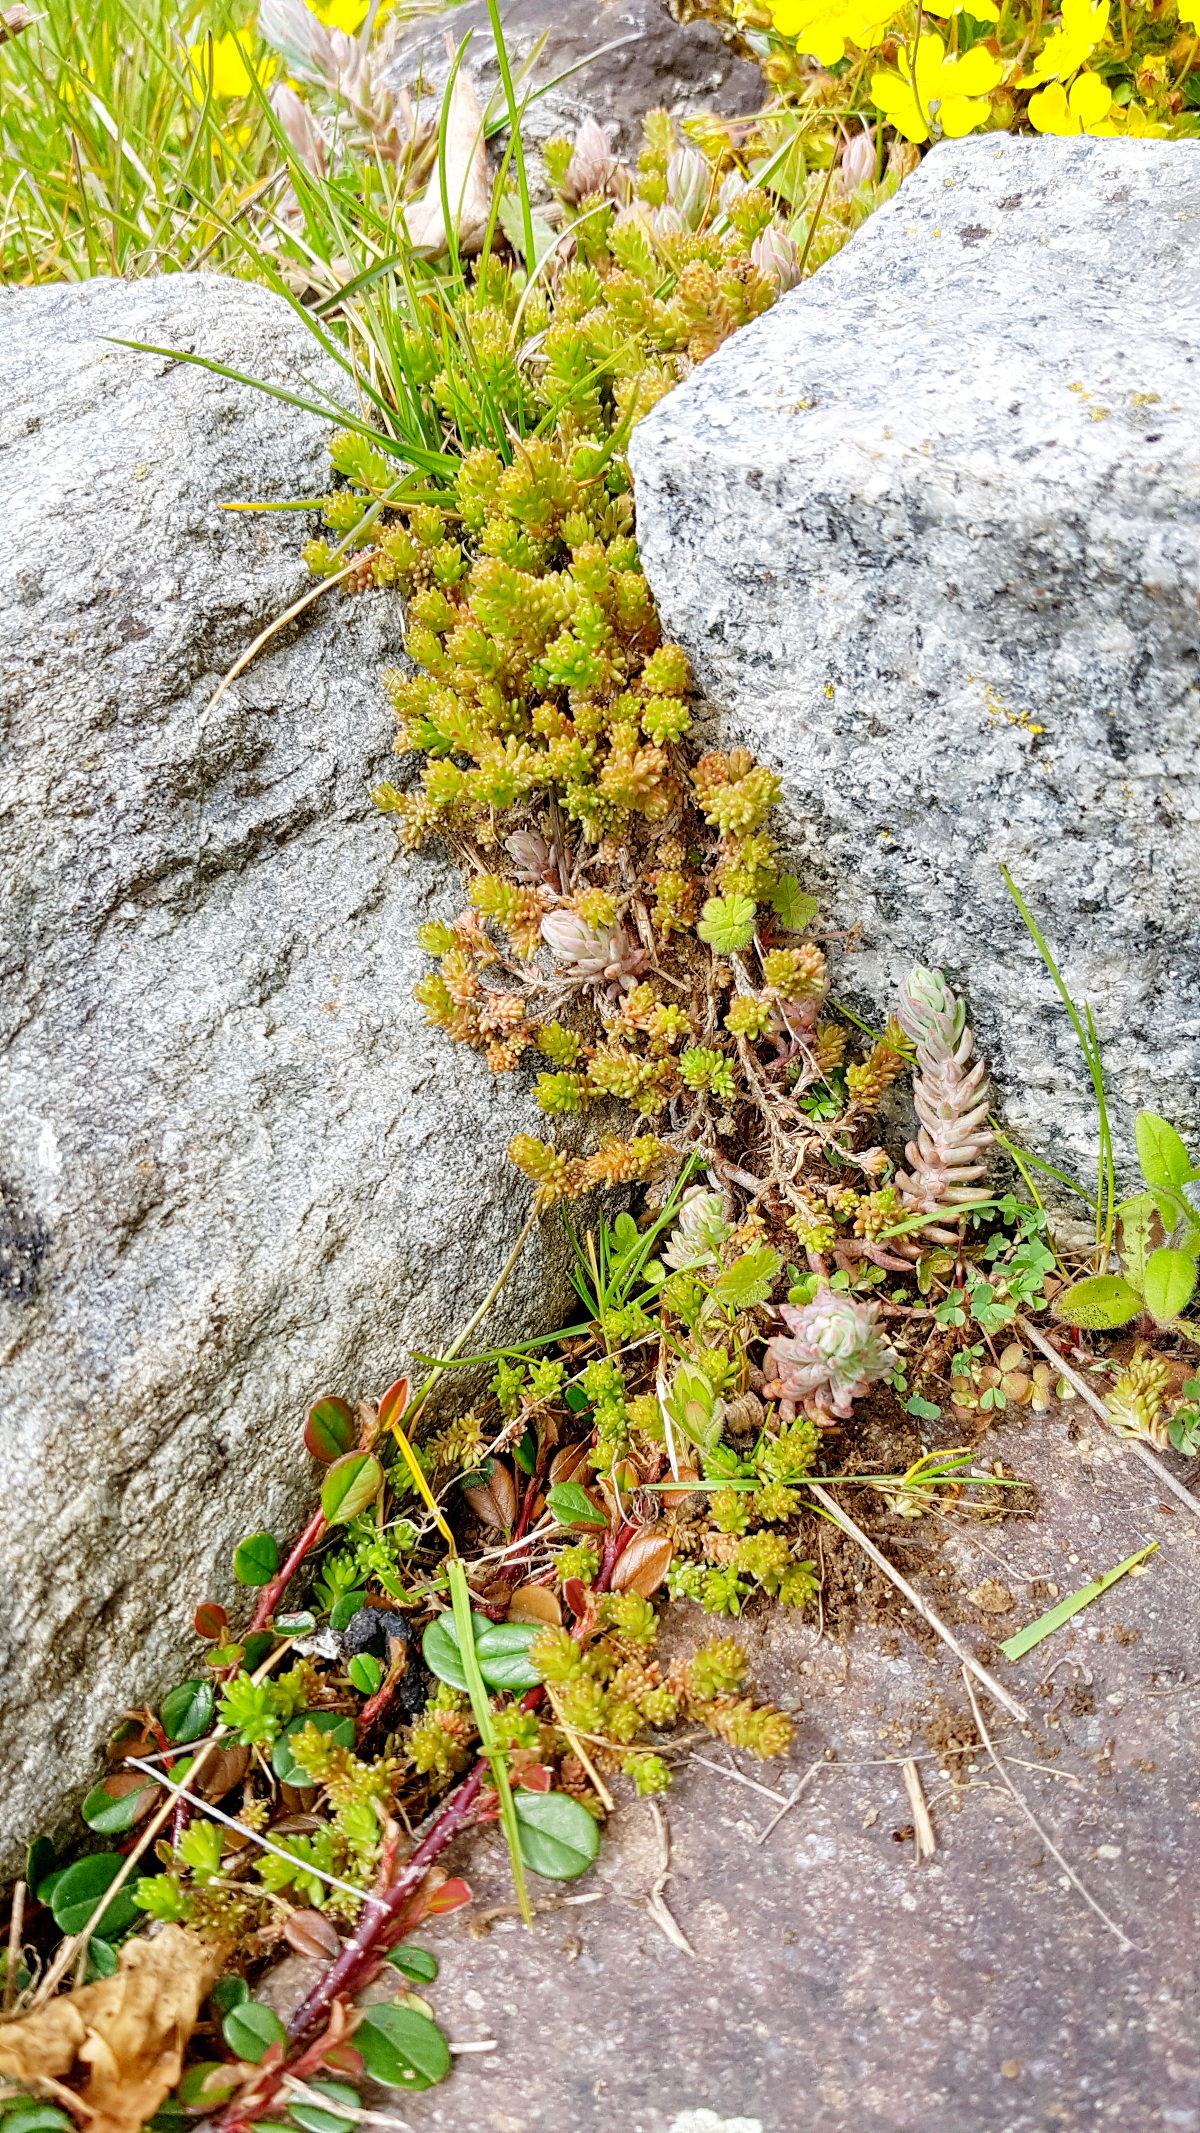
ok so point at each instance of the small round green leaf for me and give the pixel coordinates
(559, 1839)
(251, 2029)
(188, 1711)
(33, 2117)
(366, 1672)
(212, 2082)
(315, 2120)
(103, 1961)
(40, 1862)
(343, 1611)
(1101, 1300)
(339, 1727)
(329, 1430)
(420, 1964)
(439, 1649)
(401, 2048)
(572, 1506)
(350, 1485)
(111, 1815)
(256, 1559)
(256, 1648)
(229, 1992)
(1170, 1283)
(503, 1652)
(77, 1892)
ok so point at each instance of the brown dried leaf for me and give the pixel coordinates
(535, 1603)
(495, 1500)
(311, 1934)
(224, 1770)
(992, 1597)
(565, 1465)
(122, 2038)
(643, 1565)
(468, 181)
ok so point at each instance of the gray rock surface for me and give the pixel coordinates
(648, 59)
(931, 533)
(838, 1984)
(236, 1169)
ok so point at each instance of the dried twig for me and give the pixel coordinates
(1131, 1444)
(16, 1927)
(788, 1804)
(922, 1825)
(723, 1771)
(655, 1901)
(994, 1688)
(1032, 1819)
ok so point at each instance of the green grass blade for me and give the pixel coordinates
(464, 1622)
(1016, 1647)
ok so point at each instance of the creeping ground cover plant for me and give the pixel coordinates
(794, 1323)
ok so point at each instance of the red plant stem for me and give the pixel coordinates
(378, 1913)
(272, 1593)
(522, 1526)
(614, 1549)
(377, 1704)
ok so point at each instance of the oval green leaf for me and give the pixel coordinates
(1170, 1283)
(251, 2029)
(559, 1839)
(77, 1892)
(1102, 1300)
(401, 2048)
(503, 1653)
(256, 1559)
(350, 1485)
(366, 1672)
(112, 1815)
(314, 2119)
(337, 1724)
(256, 1648)
(1161, 1153)
(329, 1431)
(572, 1506)
(103, 1961)
(212, 2082)
(32, 2117)
(188, 1711)
(439, 1649)
(343, 1611)
(41, 1860)
(229, 1992)
(420, 1964)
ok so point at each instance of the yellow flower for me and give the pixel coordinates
(982, 10)
(1085, 110)
(348, 15)
(1189, 13)
(953, 88)
(823, 28)
(230, 74)
(1084, 25)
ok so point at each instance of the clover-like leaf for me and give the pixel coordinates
(727, 923)
(794, 908)
(749, 1280)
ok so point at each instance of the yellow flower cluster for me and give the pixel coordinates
(981, 65)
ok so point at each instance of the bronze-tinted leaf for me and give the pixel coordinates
(310, 1934)
(535, 1603)
(224, 1770)
(566, 1465)
(494, 1498)
(643, 1565)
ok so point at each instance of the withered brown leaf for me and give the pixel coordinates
(495, 1500)
(122, 2040)
(535, 1603)
(642, 1566)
